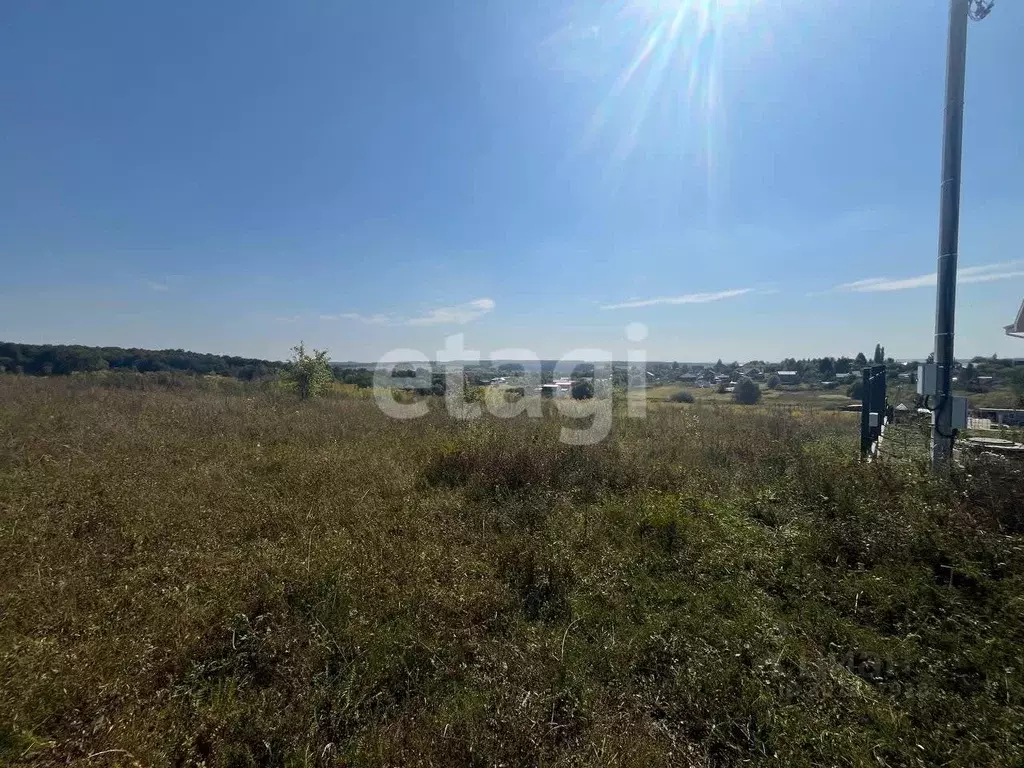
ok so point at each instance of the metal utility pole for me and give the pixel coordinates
(949, 222)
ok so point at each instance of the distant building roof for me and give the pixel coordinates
(787, 373)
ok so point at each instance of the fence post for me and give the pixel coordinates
(865, 409)
(878, 399)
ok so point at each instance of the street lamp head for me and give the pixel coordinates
(979, 9)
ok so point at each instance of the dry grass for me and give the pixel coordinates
(218, 575)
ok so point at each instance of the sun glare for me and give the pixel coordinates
(661, 60)
(722, 10)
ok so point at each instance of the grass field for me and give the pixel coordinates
(801, 398)
(220, 575)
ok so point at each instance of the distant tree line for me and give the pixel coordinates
(360, 377)
(62, 360)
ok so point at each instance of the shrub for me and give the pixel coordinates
(309, 374)
(582, 389)
(773, 381)
(746, 392)
(856, 390)
(682, 396)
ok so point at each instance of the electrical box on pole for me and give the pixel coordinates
(959, 413)
(927, 379)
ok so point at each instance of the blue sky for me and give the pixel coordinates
(749, 179)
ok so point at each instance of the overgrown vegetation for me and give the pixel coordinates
(223, 576)
(309, 374)
(582, 389)
(747, 392)
(682, 396)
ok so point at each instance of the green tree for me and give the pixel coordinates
(827, 368)
(309, 374)
(92, 362)
(747, 392)
(582, 389)
(879, 354)
(1017, 385)
(773, 381)
(856, 390)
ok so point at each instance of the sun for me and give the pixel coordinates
(661, 75)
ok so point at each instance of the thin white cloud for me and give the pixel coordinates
(157, 286)
(459, 314)
(985, 273)
(377, 319)
(690, 298)
(873, 284)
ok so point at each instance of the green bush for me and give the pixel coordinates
(682, 396)
(310, 375)
(746, 392)
(582, 389)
